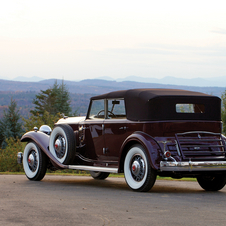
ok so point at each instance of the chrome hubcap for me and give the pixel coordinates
(60, 146)
(32, 161)
(137, 168)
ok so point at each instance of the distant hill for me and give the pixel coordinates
(99, 86)
(169, 80)
(80, 92)
(219, 81)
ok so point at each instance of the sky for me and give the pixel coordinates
(77, 40)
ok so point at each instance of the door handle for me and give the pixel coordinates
(103, 129)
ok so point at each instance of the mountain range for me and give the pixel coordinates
(99, 86)
(80, 91)
(219, 81)
(169, 80)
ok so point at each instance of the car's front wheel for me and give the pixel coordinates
(139, 174)
(34, 162)
(212, 182)
(99, 175)
(62, 143)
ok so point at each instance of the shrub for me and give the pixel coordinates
(8, 156)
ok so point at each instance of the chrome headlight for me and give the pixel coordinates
(45, 129)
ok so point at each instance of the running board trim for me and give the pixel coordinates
(93, 168)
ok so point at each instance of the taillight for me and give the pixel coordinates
(167, 154)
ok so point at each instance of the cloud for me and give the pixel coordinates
(219, 31)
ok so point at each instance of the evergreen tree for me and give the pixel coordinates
(53, 100)
(44, 101)
(10, 127)
(63, 98)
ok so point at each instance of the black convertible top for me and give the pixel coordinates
(160, 104)
(148, 93)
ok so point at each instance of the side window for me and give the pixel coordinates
(116, 109)
(97, 109)
(190, 108)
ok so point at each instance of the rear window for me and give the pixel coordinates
(190, 108)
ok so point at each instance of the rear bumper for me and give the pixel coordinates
(193, 166)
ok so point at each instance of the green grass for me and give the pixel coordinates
(12, 173)
(84, 173)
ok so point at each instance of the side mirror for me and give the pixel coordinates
(115, 102)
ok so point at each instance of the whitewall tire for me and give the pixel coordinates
(138, 172)
(62, 143)
(34, 162)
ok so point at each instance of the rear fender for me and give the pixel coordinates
(151, 146)
(42, 140)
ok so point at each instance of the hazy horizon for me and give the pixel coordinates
(168, 80)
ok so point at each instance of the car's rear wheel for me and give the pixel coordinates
(99, 175)
(212, 182)
(139, 174)
(34, 162)
(62, 143)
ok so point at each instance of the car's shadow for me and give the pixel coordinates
(116, 184)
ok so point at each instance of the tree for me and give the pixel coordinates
(54, 100)
(44, 101)
(37, 121)
(62, 98)
(10, 125)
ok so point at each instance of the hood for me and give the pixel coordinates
(71, 120)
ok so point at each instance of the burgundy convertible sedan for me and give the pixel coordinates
(139, 132)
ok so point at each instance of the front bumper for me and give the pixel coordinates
(192, 166)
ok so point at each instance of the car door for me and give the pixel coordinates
(115, 128)
(93, 131)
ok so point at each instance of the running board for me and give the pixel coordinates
(93, 168)
(74, 167)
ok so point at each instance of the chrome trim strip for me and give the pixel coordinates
(177, 147)
(94, 168)
(193, 166)
(206, 132)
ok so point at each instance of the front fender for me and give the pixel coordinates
(152, 147)
(42, 140)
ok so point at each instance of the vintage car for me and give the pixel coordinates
(139, 132)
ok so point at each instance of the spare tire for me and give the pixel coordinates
(62, 143)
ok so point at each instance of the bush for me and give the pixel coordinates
(8, 159)
(8, 156)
